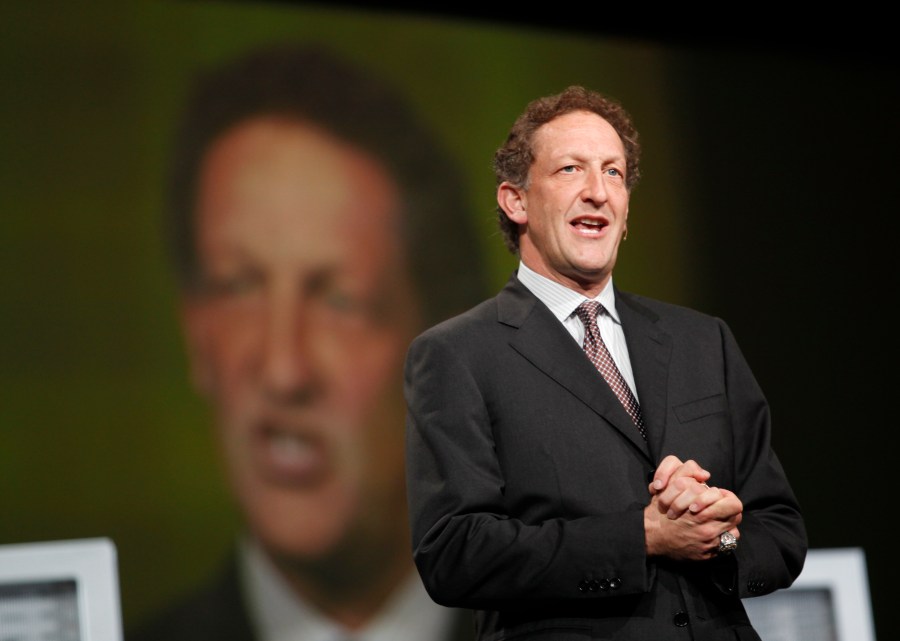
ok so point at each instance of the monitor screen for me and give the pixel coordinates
(829, 601)
(59, 591)
(40, 611)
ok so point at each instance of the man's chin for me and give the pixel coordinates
(303, 546)
(305, 520)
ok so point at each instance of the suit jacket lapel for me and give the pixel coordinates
(649, 349)
(546, 344)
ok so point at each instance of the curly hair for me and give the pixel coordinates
(513, 160)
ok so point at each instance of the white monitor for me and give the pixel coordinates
(829, 601)
(60, 591)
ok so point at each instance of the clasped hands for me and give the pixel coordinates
(685, 516)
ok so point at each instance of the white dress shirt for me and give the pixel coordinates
(563, 301)
(279, 615)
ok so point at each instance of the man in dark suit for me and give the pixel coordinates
(558, 505)
(302, 216)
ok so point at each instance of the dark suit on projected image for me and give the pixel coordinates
(218, 611)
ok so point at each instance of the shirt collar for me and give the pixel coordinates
(561, 300)
(280, 615)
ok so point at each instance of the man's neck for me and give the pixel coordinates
(588, 285)
(351, 598)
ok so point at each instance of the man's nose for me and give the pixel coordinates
(287, 363)
(594, 188)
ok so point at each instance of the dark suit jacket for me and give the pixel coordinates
(527, 480)
(217, 612)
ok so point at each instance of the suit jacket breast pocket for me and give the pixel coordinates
(702, 431)
(701, 408)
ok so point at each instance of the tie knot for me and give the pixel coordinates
(587, 311)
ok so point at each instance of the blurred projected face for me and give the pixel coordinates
(298, 333)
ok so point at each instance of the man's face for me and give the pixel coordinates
(298, 332)
(575, 207)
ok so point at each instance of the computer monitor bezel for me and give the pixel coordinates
(91, 563)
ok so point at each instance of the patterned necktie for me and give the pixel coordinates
(599, 355)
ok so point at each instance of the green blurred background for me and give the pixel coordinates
(766, 198)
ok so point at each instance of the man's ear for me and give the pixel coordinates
(195, 329)
(512, 201)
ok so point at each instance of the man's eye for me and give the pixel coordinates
(230, 286)
(568, 169)
(612, 171)
(341, 301)
(323, 287)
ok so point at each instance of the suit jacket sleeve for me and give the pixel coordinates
(773, 542)
(476, 543)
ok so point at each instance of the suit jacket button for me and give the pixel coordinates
(756, 586)
(615, 583)
(604, 584)
(584, 586)
(680, 619)
(594, 585)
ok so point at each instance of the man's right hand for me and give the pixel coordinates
(685, 517)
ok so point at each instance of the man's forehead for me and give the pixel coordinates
(576, 131)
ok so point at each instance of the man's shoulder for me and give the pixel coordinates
(661, 310)
(473, 320)
(508, 307)
(213, 611)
